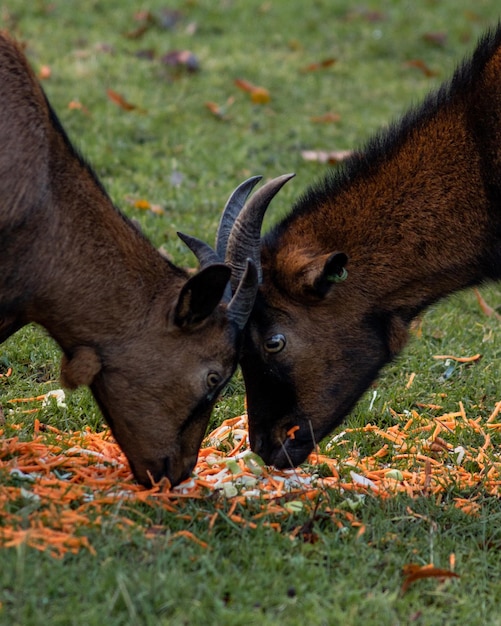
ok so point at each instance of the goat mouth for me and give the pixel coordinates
(290, 454)
(151, 474)
(286, 455)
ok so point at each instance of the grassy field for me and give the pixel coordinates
(181, 137)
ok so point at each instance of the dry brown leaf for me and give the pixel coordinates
(219, 111)
(258, 95)
(120, 101)
(321, 65)
(421, 65)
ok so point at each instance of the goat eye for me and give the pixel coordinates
(274, 344)
(213, 380)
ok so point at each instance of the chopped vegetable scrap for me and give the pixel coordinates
(55, 486)
(413, 572)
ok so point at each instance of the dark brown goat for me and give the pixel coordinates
(155, 346)
(411, 218)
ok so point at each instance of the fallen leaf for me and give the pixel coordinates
(421, 65)
(244, 85)
(321, 65)
(258, 95)
(219, 111)
(183, 58)
(120, 101)
(165, 18)
(413, 572)
(142, 204)
(322, 156)
(215, 109)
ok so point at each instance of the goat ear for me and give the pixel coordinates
(80, 368)
(201, 294)
(333, 271)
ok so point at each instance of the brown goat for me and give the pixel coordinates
(154, 345)
(413, 217)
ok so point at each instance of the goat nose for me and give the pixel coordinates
(257, 443)
(177, 472)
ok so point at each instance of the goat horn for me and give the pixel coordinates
(206, 256)
(231, 210)
(240, 307)
(244, 240)
(204, 253)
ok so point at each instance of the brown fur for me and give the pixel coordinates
(418, 215)
(149, 341)
(81, 368)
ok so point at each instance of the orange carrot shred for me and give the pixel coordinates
(78, 477)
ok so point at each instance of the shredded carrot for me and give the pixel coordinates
(291, 432)
(413, 572)
(495, 413)
(459, 359)
(411, 380)
(79, 479)
(33, 399)
(189, 535)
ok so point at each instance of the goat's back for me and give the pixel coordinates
(23, 135)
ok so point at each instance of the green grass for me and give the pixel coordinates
(173, 152)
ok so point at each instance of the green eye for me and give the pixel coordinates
(275, 344)
(338, 278)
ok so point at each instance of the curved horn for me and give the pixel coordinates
(204, 253)
(242, 302)
(206, 256)
(231, 210)
(244, 240)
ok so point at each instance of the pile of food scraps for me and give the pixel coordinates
(57, 485)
